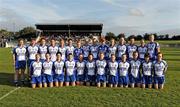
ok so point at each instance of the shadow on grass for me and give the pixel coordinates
(7, 79)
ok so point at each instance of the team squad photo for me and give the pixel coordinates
(97, 62)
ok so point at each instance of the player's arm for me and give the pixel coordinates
(158, 47)
(166, 66)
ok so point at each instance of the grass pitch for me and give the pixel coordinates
(91, 96)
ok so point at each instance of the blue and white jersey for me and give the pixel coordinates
(142, 51)
(63, 52)
(135, 67)
(20, 53)
(53, 51)
(147, 68)
(103, 48)
(112, 50)
(86, 50)
(90, 68)
(94, 50)
(70, 67)
(77, 52)
(121, 49)
(42, 51)
(32, 51)
(123, 68)
(130, 50)
(152, 49)
(47, 67)
(160, 68)
(80, 67)
(113, 68)
(101, 67)
(36, 69)
(59, 67)
(69, 49)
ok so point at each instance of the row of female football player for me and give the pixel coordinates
(121, 65)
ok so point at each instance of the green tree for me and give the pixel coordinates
(110, 35)
(5, 33)
(27, 32)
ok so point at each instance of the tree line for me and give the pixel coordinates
(30, 32)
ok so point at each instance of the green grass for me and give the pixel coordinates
(91, 96)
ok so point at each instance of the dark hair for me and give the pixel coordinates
(146, 55)
(113, 55)
(61, 39)
(20, 39)
(123, 54)
(70, 54)
(101, 53)
(131, 37)
(80, 54)
(59, 53)
(79, 40)
(121, 35)
(47, 53)
(69, 39)
(37, 54)
(135, 52)
(90, 54)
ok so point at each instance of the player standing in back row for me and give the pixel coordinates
(19, 60)
(153, 48)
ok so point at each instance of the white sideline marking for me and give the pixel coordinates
(9, 93)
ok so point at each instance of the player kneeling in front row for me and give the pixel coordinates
(134, 75)
(160, 68)
(101, 70)
(36, 71)
(58, 68)
(70, 71)
(147, 68)
(123, 72)
(80, 67)
(113, 71)
(47, 72)
(90, 72)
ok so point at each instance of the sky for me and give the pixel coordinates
(117, 16)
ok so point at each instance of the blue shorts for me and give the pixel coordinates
(132, 79)
(80, 78)
(20, 65)
(159, 80)
(59, 78)
(70, 78)
(123, 80)
(29, 62)
(36, 80)
(47, 78)
(147, 79)
(100, 78)
(113, 79)
(91, 78)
